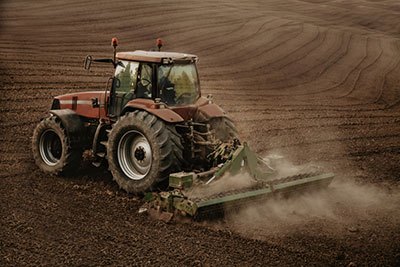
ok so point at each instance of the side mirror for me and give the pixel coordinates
(87, 62)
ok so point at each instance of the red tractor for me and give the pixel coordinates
(150, 121)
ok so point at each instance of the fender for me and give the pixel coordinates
(71, 121)
(156, 109)
(211, 110)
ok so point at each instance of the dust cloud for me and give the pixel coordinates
(345, 206)
(226, 182)
(284, 168)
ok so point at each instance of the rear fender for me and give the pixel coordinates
(157, 110)
(209, 111)
(71, 121)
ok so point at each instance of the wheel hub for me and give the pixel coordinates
(134, 155)
(140, 153)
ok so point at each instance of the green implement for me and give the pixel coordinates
(241, 178)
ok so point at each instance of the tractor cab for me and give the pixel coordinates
(168, 77)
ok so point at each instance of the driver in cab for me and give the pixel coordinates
(144, 84)
(167, 88)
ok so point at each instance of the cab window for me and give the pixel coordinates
(126, 73)
(178, 84)
(144, 85)
(124, 85)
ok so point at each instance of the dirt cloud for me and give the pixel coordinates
(345, 206)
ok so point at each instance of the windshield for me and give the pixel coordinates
(178, 84)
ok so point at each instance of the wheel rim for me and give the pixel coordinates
(50, 147)
(134, 155)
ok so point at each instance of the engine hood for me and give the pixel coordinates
(88, 104)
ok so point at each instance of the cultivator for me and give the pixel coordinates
(242, 178)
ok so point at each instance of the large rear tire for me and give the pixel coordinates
(52, 149)
(224, 129)
(142, 151)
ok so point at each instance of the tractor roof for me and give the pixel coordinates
(156, 57)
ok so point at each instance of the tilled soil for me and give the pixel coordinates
(314, 81)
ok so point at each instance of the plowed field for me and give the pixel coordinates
(315, 81)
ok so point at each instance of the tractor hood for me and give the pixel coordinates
(87, 104)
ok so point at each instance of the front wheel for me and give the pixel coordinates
(52, 149)
(142, 151)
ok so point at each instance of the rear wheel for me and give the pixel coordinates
(224, 129)
(142, 151)
(52, 149)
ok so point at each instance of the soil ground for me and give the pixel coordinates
(315, 81)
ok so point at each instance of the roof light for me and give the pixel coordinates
(159, 43)
(114, 42)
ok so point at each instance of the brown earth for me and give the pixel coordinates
(316, 81)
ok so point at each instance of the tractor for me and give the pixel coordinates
(154, 129)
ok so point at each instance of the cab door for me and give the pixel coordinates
(124, 86)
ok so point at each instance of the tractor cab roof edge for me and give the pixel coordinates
(156, 57)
